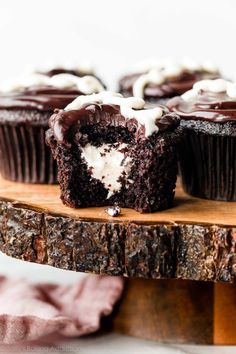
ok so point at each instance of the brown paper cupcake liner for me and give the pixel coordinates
(208, 166)
(24, 156)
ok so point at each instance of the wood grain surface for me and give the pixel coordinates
(186, 209)
(178, 311)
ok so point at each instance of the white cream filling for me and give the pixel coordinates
(130, 108)
(107, 164)
(86, 84)
(213, 86)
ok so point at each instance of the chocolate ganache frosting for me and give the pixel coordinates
(41, 99)
(45, 93)
(209, 100)
(112, 109)
(166, 79)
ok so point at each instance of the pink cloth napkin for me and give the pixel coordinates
(30, 311)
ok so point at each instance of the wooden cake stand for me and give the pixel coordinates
(194, 240)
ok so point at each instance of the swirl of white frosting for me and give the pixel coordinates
(160, 71)
(214, 86)
(154, 76)
(185, 63)
(130, 108)
(83, 67)
(86, 84)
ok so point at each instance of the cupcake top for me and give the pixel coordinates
(210, 100)
(45, 93)
(78, 69)
(112, 109)
(166, 79)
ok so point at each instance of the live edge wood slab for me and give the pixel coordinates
(194, 240)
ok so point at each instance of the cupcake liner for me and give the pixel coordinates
(24, 156)
(208, 166)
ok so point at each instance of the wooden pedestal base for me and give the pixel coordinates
(178, 311)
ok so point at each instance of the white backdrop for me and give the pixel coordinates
(114, 34)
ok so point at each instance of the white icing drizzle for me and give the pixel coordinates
(16, 84)
(107, 164)
(154, 76)
(192, 65)
(185, 63)
(83, 67)
(86, 84)
(160, 71)
(231, 90)
(214, 86)
(130, 108)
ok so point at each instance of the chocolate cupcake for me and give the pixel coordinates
(159, 81)
(208, 149)
(112, 151)
(25, 107)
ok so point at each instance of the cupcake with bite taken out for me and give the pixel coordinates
(26, 103)
(158, 81)
(111, 150)
(208, 150)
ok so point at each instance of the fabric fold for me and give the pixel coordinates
(29, 311)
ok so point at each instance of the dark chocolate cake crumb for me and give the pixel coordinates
(113, 210)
